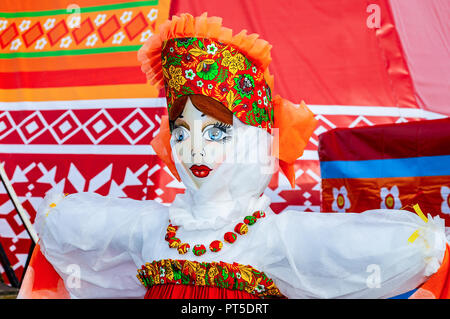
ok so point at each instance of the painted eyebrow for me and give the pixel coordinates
(212, 122)
(185, 125)
(181, 123)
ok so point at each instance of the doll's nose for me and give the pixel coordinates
(202, 153)
(197, 148)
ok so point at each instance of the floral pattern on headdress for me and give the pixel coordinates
(205, 66)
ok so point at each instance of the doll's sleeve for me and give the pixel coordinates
(94, 242)
(374, 254)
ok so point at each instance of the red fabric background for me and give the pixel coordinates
(323, 51)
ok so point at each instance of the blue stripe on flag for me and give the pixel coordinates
(405, 295)
(399, 167)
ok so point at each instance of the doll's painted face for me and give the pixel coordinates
(201, 142)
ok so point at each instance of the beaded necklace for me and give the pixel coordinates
(215, 245)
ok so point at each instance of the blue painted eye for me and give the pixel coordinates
(215, 134)
(179, 134)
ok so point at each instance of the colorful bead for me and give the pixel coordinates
(215, 246)
(259, 214)
(230, 237)
(241, 229)
(183, 248)
(199, 250)
(250, 220)
(174, 242)
(170, 235)
(172, 228)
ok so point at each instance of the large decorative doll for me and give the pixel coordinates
(224, 137)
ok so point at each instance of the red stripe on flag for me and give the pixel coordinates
(413, 139)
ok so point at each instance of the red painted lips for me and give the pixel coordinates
(200, 170)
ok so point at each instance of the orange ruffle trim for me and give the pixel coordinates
(185, 26)
(162, 148)
(295, 124)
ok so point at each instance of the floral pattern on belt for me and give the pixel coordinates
(209, 67)
(215, 274)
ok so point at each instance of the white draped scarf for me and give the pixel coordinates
(235, 189)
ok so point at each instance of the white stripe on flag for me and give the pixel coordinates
(83, 104)
(77, 149)
(99, 150)
(374, 111)
(161, 102)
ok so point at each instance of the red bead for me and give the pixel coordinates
(241, 229)
(199, 250)
(172, 228)
(170, 235)
(259, 214)
(183, 248)
(215, 246)
(230, 237)
(174, 242)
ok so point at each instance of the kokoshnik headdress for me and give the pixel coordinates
(197, 55)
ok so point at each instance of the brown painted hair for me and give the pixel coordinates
(205, 104)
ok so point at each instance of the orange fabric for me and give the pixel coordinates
(105, 60)
(80, 93)
(295, 126)
(161, 146)
(5, 6)
(41, 281)
(258, 50)
(438, 285)
(288, 171)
